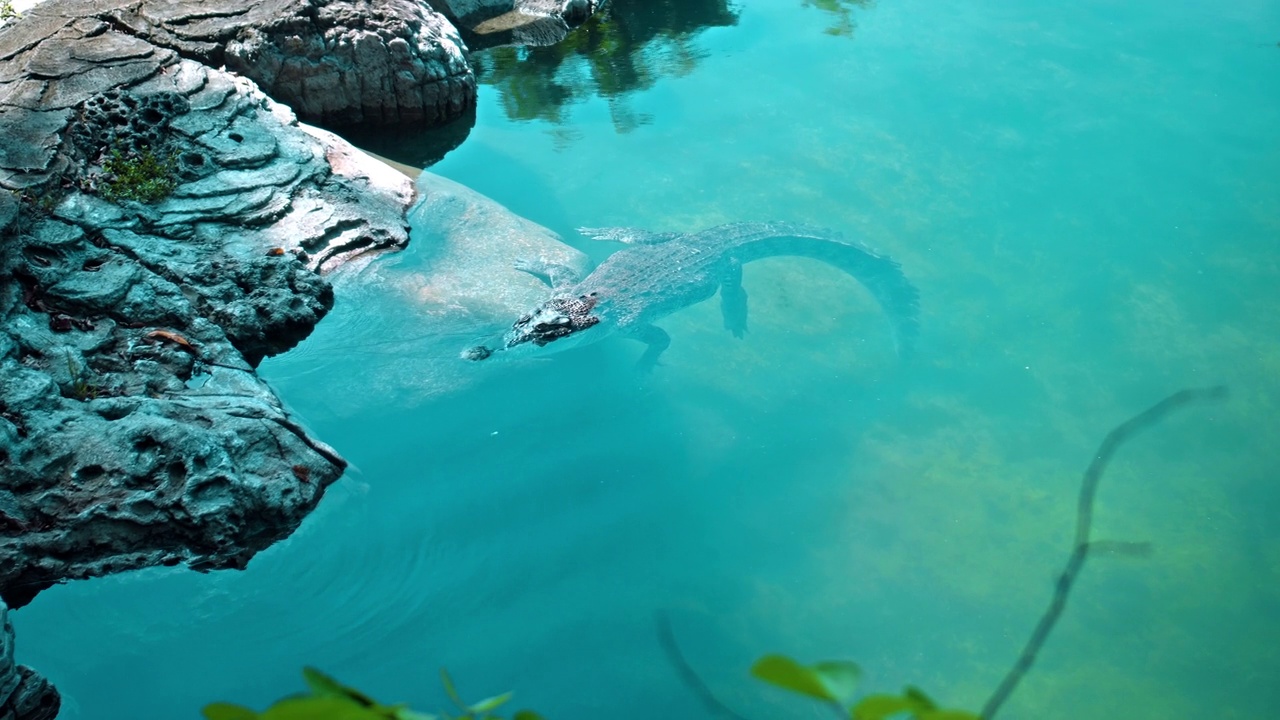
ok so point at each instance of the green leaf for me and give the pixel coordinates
(320, 708)
(321, 685)
(451, 690)
(832, 680)
(840, 678)
(403, 712)
(227, 711)
(526, 715)
(491, 703)
(878, 707)
(324, 686)
(916, 695)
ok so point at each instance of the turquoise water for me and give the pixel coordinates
(1087, 195)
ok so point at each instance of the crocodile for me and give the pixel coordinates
(659, 273)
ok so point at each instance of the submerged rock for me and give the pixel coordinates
(411, 315)
(490, 23)
(470, 245)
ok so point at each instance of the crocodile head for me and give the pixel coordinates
(556, 319)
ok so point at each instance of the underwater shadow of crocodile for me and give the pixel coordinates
(660, 273)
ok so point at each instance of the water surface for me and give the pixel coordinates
(1087, 195)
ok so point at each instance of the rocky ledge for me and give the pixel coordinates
(24, 695)
(165, 223)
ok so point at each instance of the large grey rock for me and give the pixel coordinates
(335, 62)
(24, 695)
(133, 428)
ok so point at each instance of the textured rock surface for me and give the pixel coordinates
(334, 62)
(24, 695)
(489, 23)
(133, 430)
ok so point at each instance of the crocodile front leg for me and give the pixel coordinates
(733, 299)
(656, 338)
(554, 275)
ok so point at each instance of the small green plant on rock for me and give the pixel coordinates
(38, 201)
(144, 176)
(329, 700)
(7, 12)
(81, 389)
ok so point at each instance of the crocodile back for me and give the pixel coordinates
(643, 283)
(879, 273)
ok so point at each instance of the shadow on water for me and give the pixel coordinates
(411, 145)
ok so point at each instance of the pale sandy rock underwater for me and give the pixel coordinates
(408, 316)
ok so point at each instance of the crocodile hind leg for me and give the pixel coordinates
(553, 274)
(656, 338)
(733, 299)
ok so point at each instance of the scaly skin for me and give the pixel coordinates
(660, 273)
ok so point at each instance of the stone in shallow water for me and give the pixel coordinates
(409, 317)
(471, 245)
(489, 23)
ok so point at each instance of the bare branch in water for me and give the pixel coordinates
(1081, 550)
(1084, 521)
(667, 638)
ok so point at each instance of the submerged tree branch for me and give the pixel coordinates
(1084, 521)
(1080, 551)
(667, 639)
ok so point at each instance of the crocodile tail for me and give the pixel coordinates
(879, 273)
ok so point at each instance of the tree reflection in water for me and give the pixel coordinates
(841, 12)
(626, 47)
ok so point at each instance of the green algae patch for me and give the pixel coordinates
(144, 176)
